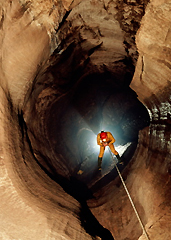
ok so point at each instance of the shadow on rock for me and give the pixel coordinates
(88, 221)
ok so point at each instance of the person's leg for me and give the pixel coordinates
(113, 149)
(120, 161)
(115, 153)
(100, 157)
(99, 163)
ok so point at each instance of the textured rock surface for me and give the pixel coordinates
(66, 67)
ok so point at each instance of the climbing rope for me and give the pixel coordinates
(129, 196)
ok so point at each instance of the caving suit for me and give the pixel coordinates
(109, 140)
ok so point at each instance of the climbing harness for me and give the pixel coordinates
(142, 226)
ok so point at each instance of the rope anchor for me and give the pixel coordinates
(129, 196)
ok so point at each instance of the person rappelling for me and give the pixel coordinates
(106, 139)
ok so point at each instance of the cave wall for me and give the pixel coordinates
(150, 171)
(25, 49)
(29, 198)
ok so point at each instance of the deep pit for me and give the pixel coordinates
(68, 71)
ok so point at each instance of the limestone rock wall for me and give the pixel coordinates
(33, 38)
(25, 49)
(149, 181)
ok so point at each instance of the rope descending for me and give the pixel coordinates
(142, 226)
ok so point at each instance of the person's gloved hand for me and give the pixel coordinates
(105, 144)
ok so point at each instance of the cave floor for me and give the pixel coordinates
(95, 179)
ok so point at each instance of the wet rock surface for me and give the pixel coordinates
(70, 69)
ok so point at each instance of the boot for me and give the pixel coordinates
(100, 163)
(119, 159)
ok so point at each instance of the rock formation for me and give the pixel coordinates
(69, 69)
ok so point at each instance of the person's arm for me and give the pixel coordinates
(98, 140)
(111, 138)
